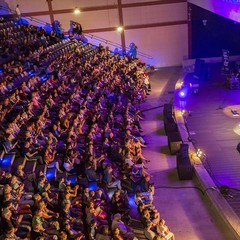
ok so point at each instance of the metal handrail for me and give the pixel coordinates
(85, 34)
(115, 44)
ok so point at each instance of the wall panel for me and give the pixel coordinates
(90, 20)
(110, 37)
(26, 6)
(167, 45)
(155, 14)
(43, 18)
(58, 5)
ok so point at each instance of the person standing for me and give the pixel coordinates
(18, 13)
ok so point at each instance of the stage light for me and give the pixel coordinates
(120, 29)
(182, 94)
(77, 11)
(199, 153)
(179, 84)
(183, 112)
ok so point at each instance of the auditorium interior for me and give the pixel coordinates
(120, 119)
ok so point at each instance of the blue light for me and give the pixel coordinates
(31, 74)
(44, 78)
(92, 186)
(182, 93)
(50, 174)
(7, 161)
(72, 179)
(131, 201)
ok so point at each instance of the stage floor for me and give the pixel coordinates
(214, 127)
(187, 212)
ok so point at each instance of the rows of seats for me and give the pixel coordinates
(72, 144)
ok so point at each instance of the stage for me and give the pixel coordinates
(213, 122)
(188, 213)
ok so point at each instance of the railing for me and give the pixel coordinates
(99, 39)
(115, 44)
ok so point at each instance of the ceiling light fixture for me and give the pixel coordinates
(76, 11)
(120, 29)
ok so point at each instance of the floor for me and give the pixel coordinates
(187, 212)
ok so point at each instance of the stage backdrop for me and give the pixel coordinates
(211, 33)
(226, 8)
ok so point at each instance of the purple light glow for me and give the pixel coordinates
(227, 9)
(182, 93)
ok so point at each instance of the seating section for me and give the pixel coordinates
(71, 139)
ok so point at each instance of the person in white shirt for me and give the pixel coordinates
(18, 13)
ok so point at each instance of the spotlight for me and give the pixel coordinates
(120, 29)
(183, 112)
(179, 84)
(182, 93)
(76, 11)
(199, 153)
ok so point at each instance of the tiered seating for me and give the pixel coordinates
(75, 120)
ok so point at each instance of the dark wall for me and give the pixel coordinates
(219, 33)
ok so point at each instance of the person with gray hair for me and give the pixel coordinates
(125, 231)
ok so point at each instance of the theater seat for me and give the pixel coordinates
(30, 166)
(42, 168)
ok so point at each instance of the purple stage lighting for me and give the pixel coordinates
(182, 93)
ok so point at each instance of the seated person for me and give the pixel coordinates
(30, 151)
(10, 143)
(150, 214)
(110, 179)
(142, 198)
(163, 230)
(148, 231)
(119, 203)
(37, 231)
(103, 234)
(125, 231)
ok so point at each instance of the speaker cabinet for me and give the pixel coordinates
(238, 147)
(184, 168)
(170, 126)
(167, 112)
(184, 150)
(174, 142)
(167, 107)
(200, 69)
